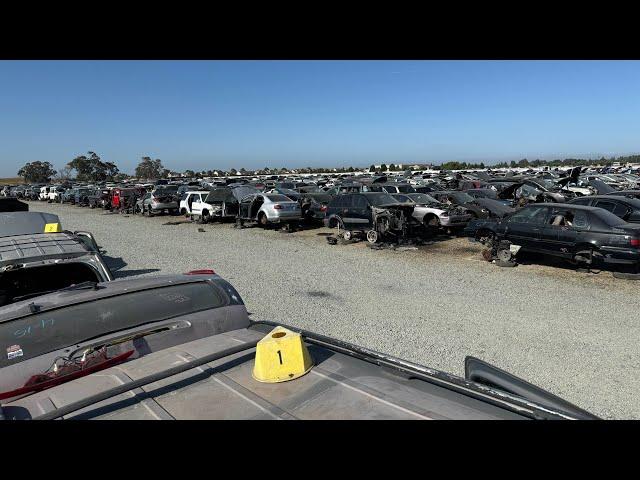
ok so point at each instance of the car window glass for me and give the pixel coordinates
(561, 217)
(529, 215)
(620, 210)
(359, 202)
(606, 205)
(581, 219)
(582, 201)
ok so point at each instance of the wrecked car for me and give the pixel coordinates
(268, 209)
(378, 215)
(477, 207)
(35, 263)
(221, 203)
(583, 235)
(163, 198)
(433, 214)
(99, 199)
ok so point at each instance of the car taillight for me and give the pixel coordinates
(277, 207)
(635, 242)
(201, 272)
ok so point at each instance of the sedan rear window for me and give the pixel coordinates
(279, 198)
(48, 331)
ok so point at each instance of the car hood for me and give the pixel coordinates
(494, 206)
(601, 187)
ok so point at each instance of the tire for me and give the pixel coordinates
(347, 235)
(183, 211)
(335, 222)
(206, 218)
(372, 236)
(263, 221)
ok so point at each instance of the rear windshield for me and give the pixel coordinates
(48, 331)
(167, 189)
(278, 198)
(608, 218)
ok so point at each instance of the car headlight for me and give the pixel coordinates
(484, 210)
(444, 214)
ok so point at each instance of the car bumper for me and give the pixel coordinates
(164, 206)
(285, 217)
(455, 221)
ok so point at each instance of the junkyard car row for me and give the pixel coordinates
(482, 205)
(56, 283)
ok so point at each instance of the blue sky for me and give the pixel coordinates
(224, 114)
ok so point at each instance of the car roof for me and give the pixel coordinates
(32, 247)
(572, 206)
(621, 198)
(22, 223)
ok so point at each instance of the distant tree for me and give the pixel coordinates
(392, 167)
(383, 168)
(243, 171)
(513, 164)
(189, 173)
(233, 171)
(149, 169)
(37, 172)
(351, 169)
(91, 167)
(372, 168)
(64, 174)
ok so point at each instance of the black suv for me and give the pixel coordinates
(575, 232)
(376, 214)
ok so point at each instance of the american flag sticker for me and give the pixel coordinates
(14, 351)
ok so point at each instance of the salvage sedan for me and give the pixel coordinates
(269, 209)
(583, 235)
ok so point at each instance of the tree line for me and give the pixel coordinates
(90, 167)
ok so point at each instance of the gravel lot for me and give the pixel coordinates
(575, 334)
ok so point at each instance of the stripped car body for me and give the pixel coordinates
(433, 214)
(376, 214)
(183, 347)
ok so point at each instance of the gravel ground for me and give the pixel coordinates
(575, 334)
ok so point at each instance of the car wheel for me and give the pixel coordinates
(372, 236)
(347, 235)
(262, 220)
